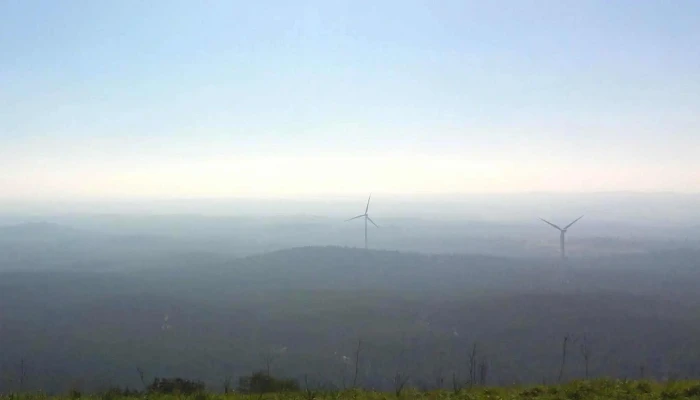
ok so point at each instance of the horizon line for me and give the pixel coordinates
(306, 197)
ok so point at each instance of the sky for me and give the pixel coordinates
(181, 99)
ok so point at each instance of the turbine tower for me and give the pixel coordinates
(366, 217)
(562, 235)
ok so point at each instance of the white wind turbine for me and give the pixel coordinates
(366, 217)
(562, 235)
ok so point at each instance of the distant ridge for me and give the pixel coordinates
(42, 227)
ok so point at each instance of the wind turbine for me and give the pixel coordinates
(562, 234)
(366, 217)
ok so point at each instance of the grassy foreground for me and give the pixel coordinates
(580, 390)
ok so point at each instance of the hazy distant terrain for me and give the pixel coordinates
(496, 225)
(651, 209)
(89, 298)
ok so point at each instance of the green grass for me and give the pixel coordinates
(580, 390)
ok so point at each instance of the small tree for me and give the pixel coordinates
(268, 359)
(439, 378)
(565, 342)
(310, 393)
(399, 383)
(483, 372)
(585, 348)
(357, 363)
(472, 366)
(456, 385)
(22, 374)
(270, 356)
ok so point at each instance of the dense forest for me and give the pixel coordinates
(310, 311)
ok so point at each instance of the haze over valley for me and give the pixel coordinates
(93, 295)
(365, 195)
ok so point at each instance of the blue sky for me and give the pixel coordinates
(127, 99)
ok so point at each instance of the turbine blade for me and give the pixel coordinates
(367, 208)
(567, 227)
(370, 220)
(547, 222)
(359, 216)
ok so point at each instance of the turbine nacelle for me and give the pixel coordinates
(564, 229)
(366, 217)
(563, 233)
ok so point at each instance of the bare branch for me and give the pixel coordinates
(142, 377)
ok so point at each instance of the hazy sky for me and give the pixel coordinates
(280, 98)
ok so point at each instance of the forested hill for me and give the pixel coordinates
(306, 308)
(342, 268)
